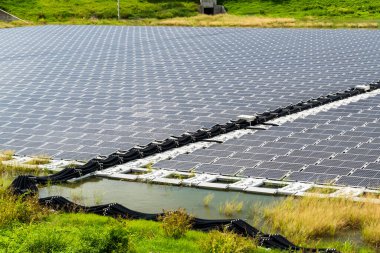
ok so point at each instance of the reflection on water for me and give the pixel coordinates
(152, 198)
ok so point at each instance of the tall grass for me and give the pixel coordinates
(311, 218)
(15, 209)
(230, 208)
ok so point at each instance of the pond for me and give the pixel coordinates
(153, 198)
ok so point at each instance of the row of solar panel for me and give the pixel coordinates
(318, 149)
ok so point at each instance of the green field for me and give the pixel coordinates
(59, 10)
(62, 10)
(365, 9)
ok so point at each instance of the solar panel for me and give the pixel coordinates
(165, 164)
(341, 163)
(366, 173)
(373, 166)
(185, 166)
(349, 181)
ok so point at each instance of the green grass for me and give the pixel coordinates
(307, 13)
(93, 233)
(59, 10)
(365, 9)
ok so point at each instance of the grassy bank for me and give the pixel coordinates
(241, 13)
(216, 21)
(366, 9)
(57, 10)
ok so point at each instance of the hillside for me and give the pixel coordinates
(58, 10)
(366, 9)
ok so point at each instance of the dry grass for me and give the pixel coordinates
(371, 234)
(13, 170)
(207, 199)
(39, 160)
(230, 208)
(311, 218)
(14, 24)
(227, 20)
(6, 155)
(322, 190)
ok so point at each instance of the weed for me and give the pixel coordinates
(175, 224)
(227, 242)
(6, 155)
(97, 198)
(39, 160)
(229, 208)
(207, 199)
(272, 185)
(322, 190)
(19, 208)
(148, 166)
(77, 197)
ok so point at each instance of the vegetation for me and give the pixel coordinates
(207, 199)
(19, 209)
(39, 160)
(322, 190)
(38, 230)
(367, 9)
(175, 224)
(6, 155)
(229, 208)
(56, 10)
(241, 13)
(228, 20)
(308, 218)
(227, 242)
(66, 233)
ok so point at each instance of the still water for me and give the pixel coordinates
(153, 198)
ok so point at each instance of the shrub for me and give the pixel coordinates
(176, 223)
(77, 233)
(117, 240)
(227, 242)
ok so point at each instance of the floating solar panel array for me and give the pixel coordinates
(77, 91)
(340, 146)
